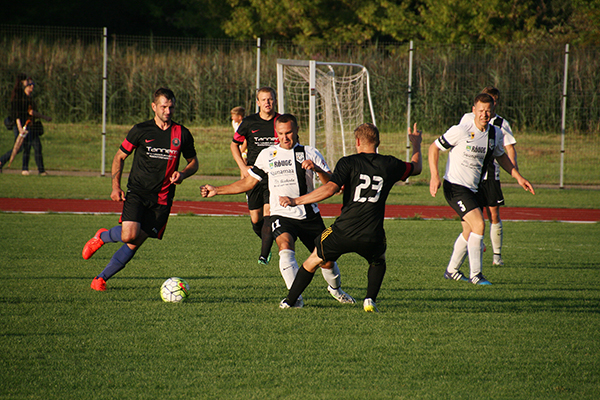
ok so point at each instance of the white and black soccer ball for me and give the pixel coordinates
(174, 290)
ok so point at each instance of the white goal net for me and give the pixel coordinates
(328, 99)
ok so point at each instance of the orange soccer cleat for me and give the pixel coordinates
(99, 284)
(93, 245)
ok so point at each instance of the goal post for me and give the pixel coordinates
(328, 99)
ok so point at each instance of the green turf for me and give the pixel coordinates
(533, 334)
(97, 187)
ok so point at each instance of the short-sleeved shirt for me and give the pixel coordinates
(468, 148)
(156, 157)
(258, 133)
(287, 177)
(367, 179)
(19, 108)
(501, 124)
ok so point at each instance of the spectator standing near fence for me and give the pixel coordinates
(26, 124)
(490, 187)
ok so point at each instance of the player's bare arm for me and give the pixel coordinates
(190, 169)
(241, 186)
(415, 137)
(321, 193)
(511, 152)
(117, 193)
(239, 160)
(508, 166)
(434, 182)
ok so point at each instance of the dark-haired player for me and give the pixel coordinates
(490, 184)
(367, 178)
(258, 130)
(157, 145)
(290, 169)
(471, 148)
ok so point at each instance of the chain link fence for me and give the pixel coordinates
(211, 76)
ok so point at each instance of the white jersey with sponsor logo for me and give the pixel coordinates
(287, 178)
(498, 122)
(468, 147)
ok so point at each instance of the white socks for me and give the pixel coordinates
(288, 266)
(332, 276)
(475, 249)
(458, 255)
(496, 237)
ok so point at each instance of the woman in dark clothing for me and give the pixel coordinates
(24, 114)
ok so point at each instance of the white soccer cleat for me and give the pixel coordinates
(498, 261)
(340, 295)
(369, 306)
(299, 303)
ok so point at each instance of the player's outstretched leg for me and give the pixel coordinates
(333, 279)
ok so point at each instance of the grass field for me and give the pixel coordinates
(534, 334)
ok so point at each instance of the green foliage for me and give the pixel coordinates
(533, 334)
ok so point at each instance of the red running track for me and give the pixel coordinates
(327, 210)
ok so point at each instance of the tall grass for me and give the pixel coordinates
(212, 76)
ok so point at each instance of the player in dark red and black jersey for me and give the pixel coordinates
(157, 146)
(259, 132)
(367, 178)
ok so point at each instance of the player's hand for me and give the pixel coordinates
(285, 201)
(434, 185)
(177, 178)
(244, 171)
(208, 191)
(117, 195)
(525, 184)
(415, 136)
(310, 165)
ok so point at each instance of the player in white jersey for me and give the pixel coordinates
(471, 148)
(490, 185)
(290, 170)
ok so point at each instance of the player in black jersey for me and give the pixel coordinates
(258, 130)
(157, 145)
(366, 178)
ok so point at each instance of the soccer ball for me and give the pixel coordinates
(174, 290)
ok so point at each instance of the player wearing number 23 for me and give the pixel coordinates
(366, 178)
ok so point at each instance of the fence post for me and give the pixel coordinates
(257, 69)
(410, 66)
(564, 114)
(104, 82)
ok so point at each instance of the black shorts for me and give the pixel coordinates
(153, 217)
(491, 193)
(331, 244)
(258, 196)
(304, 229)
(461, 199)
